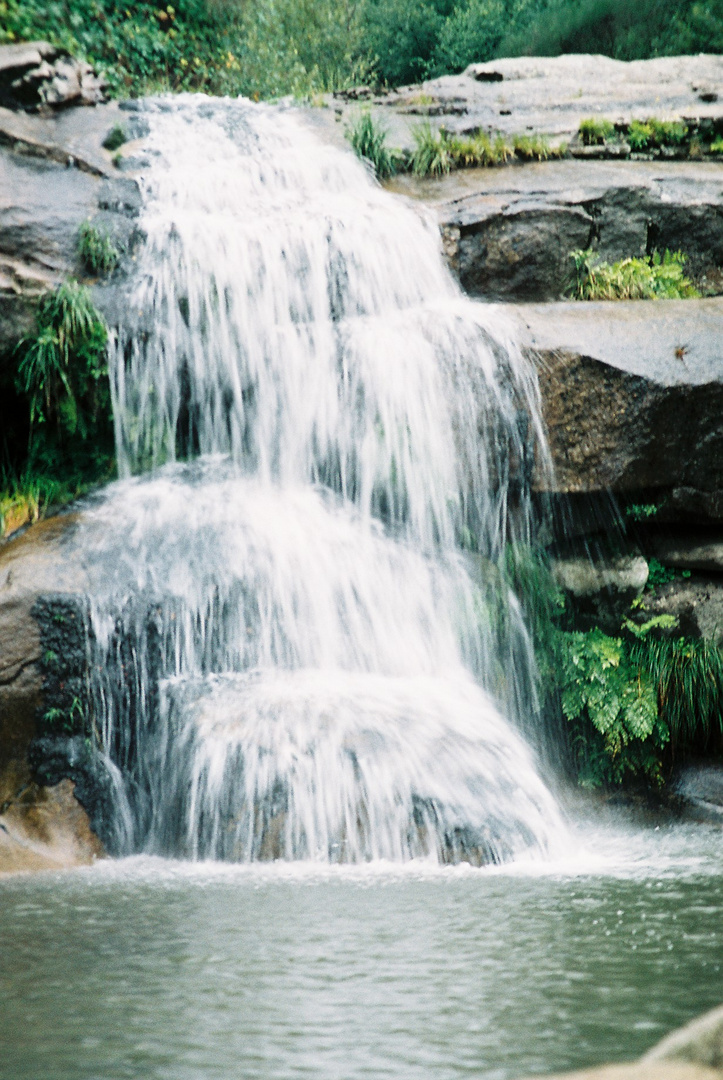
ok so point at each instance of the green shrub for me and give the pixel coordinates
(369, 141)
(595, 131)
(659, 277)
(97, 251)
(716, 147)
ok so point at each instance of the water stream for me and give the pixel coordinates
(305, 643)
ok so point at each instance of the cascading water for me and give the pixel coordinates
(296, 610)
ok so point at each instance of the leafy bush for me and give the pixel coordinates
(401, 36)
(659, 277)
(266, 49)
(716, 147)
(596, 131)
(97, 251)
(471, 34)
(615, 28)
(369, 140)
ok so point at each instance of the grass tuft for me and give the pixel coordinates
(596, 131)
(369, 141)
(97, 251)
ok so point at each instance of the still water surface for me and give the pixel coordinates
(168, 971)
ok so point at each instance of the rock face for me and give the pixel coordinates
(697, 604)
(36, 817)
(508, 233)
(55, 175)
(632, 394)
(601, 591)
(45, 828)
(36, 75)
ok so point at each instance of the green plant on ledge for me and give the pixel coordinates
(653, 134)
(632, 700)
(96, 250)
(62, 375)
(596, 131)
(659, 277)
(369, 141)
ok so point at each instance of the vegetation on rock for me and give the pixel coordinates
(96, 250)
(634, 701)
(659, 277)
(59, 433)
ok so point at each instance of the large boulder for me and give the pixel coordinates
(33, 566)
(37, 75)
(510, 237)
(632, 395)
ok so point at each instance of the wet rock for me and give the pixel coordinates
(632, 393)
(508, 233)
(31, 565)
(601, 590)
(36, 75)
(57, 758)
(696, 603)
(690, 551)
(701, 1041)
(45, 828)
(55, 175)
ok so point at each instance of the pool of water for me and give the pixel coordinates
(169, 971)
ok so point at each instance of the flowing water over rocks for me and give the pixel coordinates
(303, 639)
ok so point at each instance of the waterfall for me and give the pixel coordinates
(303, 641)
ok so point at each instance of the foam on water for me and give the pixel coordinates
(303, 639)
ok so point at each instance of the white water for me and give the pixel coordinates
(295, 656)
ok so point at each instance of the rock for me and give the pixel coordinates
(552, 95)
(700, 1042)
(33, 565)
(642, 1070)
(632, 393)
(508, 233)
(697, 604)
(700, 786)
(55, 175)
(57, 758)
(697, 551)
(601, 590)
(45, 828)
(36, 75)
